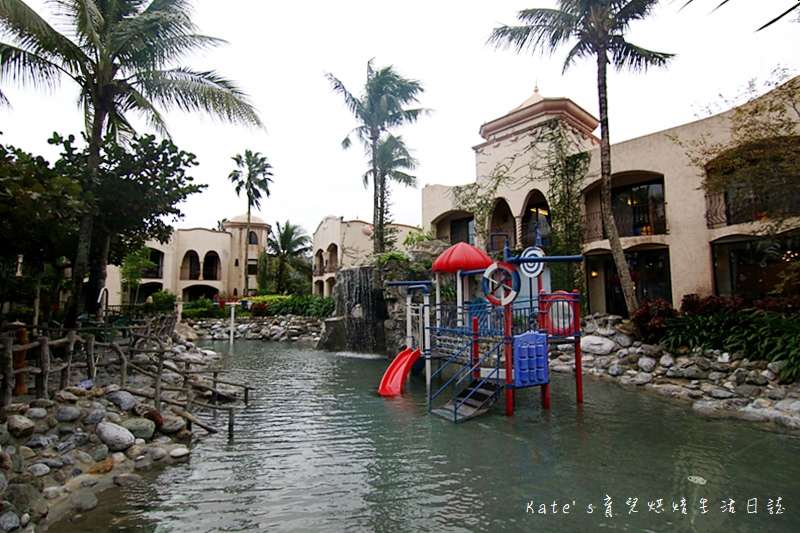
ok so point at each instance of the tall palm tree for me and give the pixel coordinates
(599, 28)
(122, 56)
(380, 108)
(253, 182)
(289, 244)
(392, 157)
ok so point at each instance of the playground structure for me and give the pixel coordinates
(495, 343)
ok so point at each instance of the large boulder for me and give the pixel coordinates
(597, 345)
(117, 438)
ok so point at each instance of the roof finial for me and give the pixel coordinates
(536, 89)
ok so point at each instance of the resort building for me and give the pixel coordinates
(342, 243)
(677, 239)
(201, 262)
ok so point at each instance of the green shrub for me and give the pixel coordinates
(201, 303)
(163, 301)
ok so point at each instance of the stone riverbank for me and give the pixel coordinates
(715, 383)
(58, 454)
(284, 328)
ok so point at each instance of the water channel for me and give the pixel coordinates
(318, 450)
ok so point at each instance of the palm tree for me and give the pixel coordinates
(391, 156)
(256, 179)
(289, 244)
(121, 55)
(599, 28)
(379, 109)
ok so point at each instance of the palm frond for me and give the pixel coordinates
(190, 91)
(625, 55)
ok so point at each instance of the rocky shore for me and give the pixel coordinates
(716, 384)
(288, 328)
(57, 454)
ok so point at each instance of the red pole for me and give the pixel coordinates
(546, 396)
(475, 356)
(508, 320)
(576, 307)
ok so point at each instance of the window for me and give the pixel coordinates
(462, 230)
(252, 267)
(253, 238)
(639, 209)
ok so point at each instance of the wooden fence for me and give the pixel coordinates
(84, 350)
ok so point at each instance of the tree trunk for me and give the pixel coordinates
(103, 273)
(617, 252)
(377, 229)
(81, 265)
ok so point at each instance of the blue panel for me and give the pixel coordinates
(531, 367)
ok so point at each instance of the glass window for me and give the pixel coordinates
(639, 209)
(253, 238)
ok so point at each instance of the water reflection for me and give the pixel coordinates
(318, 450)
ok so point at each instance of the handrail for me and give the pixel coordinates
(477, 366)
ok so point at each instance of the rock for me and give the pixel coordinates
(717, 376)
(768, 374)
(778, 393)
(20, 426)
(156, 454)
(788, 405)
(64, 396)
(721, 394)
(68, 413)
(39, 469)
(695, 372)
(27, 498)
(642, 377)
(72, 442)
(776, 367)
(141, 428)
(172, 424)
(83, 501)
(615, 370)
(41, 441)
(36, 413)
(123, 399)
(117, 438)
(597, 345)
(747, 391)
(9, 521)
(95, 416)
(128, 480)
(180, 451)
(647, 364)
(103, 467)
(623, 340)
(674, 371)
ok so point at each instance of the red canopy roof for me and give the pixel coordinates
(461, 256)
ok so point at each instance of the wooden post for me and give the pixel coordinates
(230, 422)
(90, 370)
(7, 369)
(123, 364)
(42, 379)
(157, 399)
(69, 349)
(246, 394)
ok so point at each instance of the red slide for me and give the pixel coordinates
(396, 374)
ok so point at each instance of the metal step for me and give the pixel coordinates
(476, 404)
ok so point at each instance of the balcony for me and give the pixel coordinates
(632, 221)
(722, 209)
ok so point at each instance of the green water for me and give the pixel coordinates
(318, 450)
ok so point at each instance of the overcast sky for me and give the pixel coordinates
(279, 53)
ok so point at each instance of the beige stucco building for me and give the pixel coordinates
(199, 261)
(677, 239)
(342, 243)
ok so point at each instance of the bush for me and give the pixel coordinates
(307, 305)
(694, 304)
(651, 319)
(163, 301)
(201, 303)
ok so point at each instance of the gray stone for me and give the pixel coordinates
(39, 469)
(789, 405)
(615, 370)
(597, 345)
(20, 426)
(98, 453)
(778, 393)
(776, 367)
(647, 364)
(180, 451)
(41, 441)
(141, 428)
(128, 480)
(3, 482)
(747, 391)
(768, 374)
(95, 416)
(172, 424)
(116, 437)
(717, 376)
(156, 454)
(9, 521)
(68, 413)
(589, 328)
(36, 413)
(26, 499)
(623, 340)
(642, 378)
(694, 372)
(84, 501)
(675, 372)
(123, 399)
(54, 464)
(721, 394)
(74, 441)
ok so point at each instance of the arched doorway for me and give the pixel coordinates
(536, 217)
(190, 266)
(211, 266)
(502, 221)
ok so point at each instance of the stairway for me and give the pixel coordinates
(476, 398)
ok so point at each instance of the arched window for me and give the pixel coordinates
(253, 238)
(236, 263)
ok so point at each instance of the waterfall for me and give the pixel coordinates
(357, 324)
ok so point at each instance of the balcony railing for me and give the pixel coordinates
(529, 235)
(723, 210)
(153, 273)
(632, 221)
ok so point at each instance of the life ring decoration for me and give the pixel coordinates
(500, 283)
